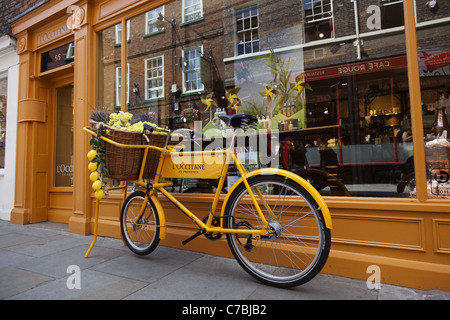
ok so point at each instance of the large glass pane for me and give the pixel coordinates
(109, 69)
(328, 78)
(433, 41)
(63, 171)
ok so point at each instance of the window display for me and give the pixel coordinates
(330, 83)
(63, 165)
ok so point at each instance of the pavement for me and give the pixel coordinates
(44, 261)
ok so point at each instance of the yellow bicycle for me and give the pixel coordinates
(276, 224)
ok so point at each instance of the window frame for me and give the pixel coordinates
(147, 78)
(199, 70)
(150, 21)
(183, 12)
(118, 32)
(118, 85)
(244, 30)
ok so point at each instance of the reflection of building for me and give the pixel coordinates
(351, 124)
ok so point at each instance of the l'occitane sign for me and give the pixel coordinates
(195, 166)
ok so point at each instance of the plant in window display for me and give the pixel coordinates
(208, 101)
(284, 97)
(233, 99)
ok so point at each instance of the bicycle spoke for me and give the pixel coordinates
(293, 248)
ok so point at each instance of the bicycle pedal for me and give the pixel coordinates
(195, 235)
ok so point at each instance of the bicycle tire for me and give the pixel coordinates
(141, 238)
(300, 244)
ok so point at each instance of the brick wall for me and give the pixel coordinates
(11, 9)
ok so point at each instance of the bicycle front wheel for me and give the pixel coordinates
(140, 231)
(297, 245)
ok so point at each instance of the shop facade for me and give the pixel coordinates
(370, 130)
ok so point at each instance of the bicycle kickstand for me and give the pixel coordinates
(198, 233)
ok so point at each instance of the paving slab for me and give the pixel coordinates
(36, 263)
(14, 281)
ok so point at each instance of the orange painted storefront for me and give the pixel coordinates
(408, 238)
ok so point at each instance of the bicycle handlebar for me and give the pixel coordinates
(150, 128)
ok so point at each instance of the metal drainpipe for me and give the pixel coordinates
(357, 42)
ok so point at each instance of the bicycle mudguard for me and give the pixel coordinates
(305, 184)
(160, 211)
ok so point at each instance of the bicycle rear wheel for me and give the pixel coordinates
(141, 236)
(299, 242)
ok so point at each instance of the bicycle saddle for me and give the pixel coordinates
(238, 120)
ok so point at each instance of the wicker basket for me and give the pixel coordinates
(124, 164)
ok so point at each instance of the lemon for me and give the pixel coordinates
(91, 155)
(97, 185)
(92, 166)
(94, 176)
(99, 194)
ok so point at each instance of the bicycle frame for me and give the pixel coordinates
(207, 227)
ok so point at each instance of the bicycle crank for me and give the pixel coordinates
(211, 235)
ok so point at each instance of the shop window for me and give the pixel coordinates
(108, 60)
(192, 80)
(63, 166)
(247, 29)
(192, 10)
(434, 67)
(391, 13)
(318, 15)
(152, 22)
(154, 78)
(339, 109)
(3, 114)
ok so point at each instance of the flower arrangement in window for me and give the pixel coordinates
(190, 113)
(281, 92)
(233, 100)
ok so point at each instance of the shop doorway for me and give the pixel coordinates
(61, 185)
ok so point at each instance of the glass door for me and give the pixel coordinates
(63, 162)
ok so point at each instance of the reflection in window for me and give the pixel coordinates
(192, 69)
(391, 13)
(318, 19)
(118, 32)
(350, 135)
(192, 10)
(119, 85)
(151, 20)
(247, 30)
(108, 60)
(154, 78)
(63, 167)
